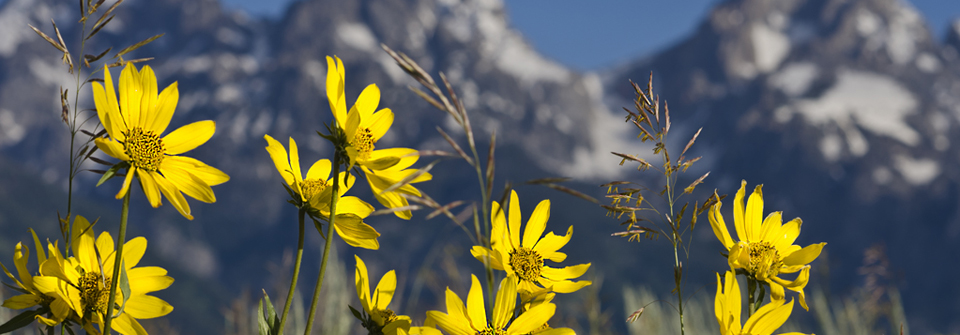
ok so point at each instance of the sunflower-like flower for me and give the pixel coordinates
(31, 296)
(363, 126)
(471, 318)
(83, 281)
(765, 249)
(315, 190)
(380, 319)
(524, 258)
(764, 321)
(135, 124)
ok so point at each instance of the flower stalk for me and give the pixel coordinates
(296, 273)
(118, 263)
(329, 238)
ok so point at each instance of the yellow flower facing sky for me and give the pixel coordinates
(383, 319)
(524, 257)
(135, 124)
(727, 306)
(316, 189)
(83, 280)
(363, 126)
(471, 319)
(765, 248)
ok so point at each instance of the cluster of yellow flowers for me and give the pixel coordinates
(765, 250)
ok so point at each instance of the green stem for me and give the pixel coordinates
(326, 247)
(296, 273)
(117, 263)
(751, 286)
(675, 237)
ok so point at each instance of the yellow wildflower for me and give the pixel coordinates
(524, 258)
(765, 249)
(363, 126)
(764, 321)
(59, 310)
(135, 124)
(382, 320)
(471, 318)
(316, 189)
(83, 280)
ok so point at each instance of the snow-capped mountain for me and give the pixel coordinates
(845, 109)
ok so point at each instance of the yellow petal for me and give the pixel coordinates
(805, 255)
(768, 318)
(145, 271)
(385, 290)
(20, 257)
(147, 307)
(455, 306)
(335, 90)
(210, 175)
(506, 302)
(145, 285)
(320, 170)
(188, 137)
(548, 245)
(788, 234)
(105, 246)
(536, 224)
(451, 324)
(532, 319)
(149, 185)
(165, 105)
(566, 272)
(41, 256)
(176, 198)
(362, 282)
(738, 220)
(353, 205)
(355, 232)
(481, 253)
(498, 232)
(368, 101)
(295, 160)
(104, 110)
(148, 101)
(127, 325)
(514, 219)
(719, 226)
(407, 158)
(475, 309)
(754, 214)
(112, 148)
(279, 156)
(21, 301)
(126, 182)
(564, 286)
(189, 184)
(770, 229)
(732, 303)
(130, 93)
(379, 123)
(108, 108)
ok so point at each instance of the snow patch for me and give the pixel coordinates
(928, 63)
(875, 102)
(867, 22)
(882, 175)
(769, 47)
(13, 24)
(831, 146)
(917, 171)
(795, 79)
(607, 133)
(904, 29)
(357, 36)
(230, 37)
(197, 64)
(51, 74)
(230, 93)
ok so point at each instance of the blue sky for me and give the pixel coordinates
(607, 32)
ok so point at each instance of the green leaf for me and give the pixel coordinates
(112, 172)
(124, 286)
(261, 321)
(269, 322)
(22, 320)
(356, 313)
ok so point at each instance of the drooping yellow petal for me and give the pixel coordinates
(353, 205)
(753, 216)
(127, 325)
(475, 308)
(149, 185)
(407, 158)
(22, 301)
(532, 319)
(719, 226)
(536, 224)
(176, 198)
(189, 184)
(147, 307)
(189, 137)
(355, 232)
(126, 182)
(166, 105)
(768, 318)
(210, 175)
